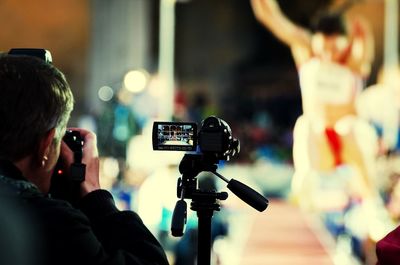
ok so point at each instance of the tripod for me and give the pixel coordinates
(206, 202)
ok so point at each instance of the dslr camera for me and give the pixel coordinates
(66, 179)
(214, 138)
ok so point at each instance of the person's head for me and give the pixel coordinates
(330, 39)
(35, 104)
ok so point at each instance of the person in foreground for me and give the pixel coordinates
(35, 106)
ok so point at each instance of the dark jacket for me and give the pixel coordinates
(95, 232)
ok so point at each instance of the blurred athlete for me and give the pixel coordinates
(332, 63)
(334, 150)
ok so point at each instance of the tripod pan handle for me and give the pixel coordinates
(248, 195)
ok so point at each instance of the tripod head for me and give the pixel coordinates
(190, 166)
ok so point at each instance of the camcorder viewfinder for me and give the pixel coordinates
(175, 136)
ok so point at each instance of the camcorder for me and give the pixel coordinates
(213, 139)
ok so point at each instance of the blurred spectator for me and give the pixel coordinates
(116, 126)
(201, 107)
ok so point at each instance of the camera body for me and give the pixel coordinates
(66, 179)
(75, 142)
(214, 138)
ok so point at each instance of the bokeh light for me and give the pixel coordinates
(105, 93)
(136, 80)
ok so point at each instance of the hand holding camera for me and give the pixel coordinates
(90, 158)
(77, 171)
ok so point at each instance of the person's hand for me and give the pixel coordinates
(363, 52)
(90, 158)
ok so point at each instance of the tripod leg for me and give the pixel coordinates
(204, 237)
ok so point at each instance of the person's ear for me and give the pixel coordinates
(45, 146)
